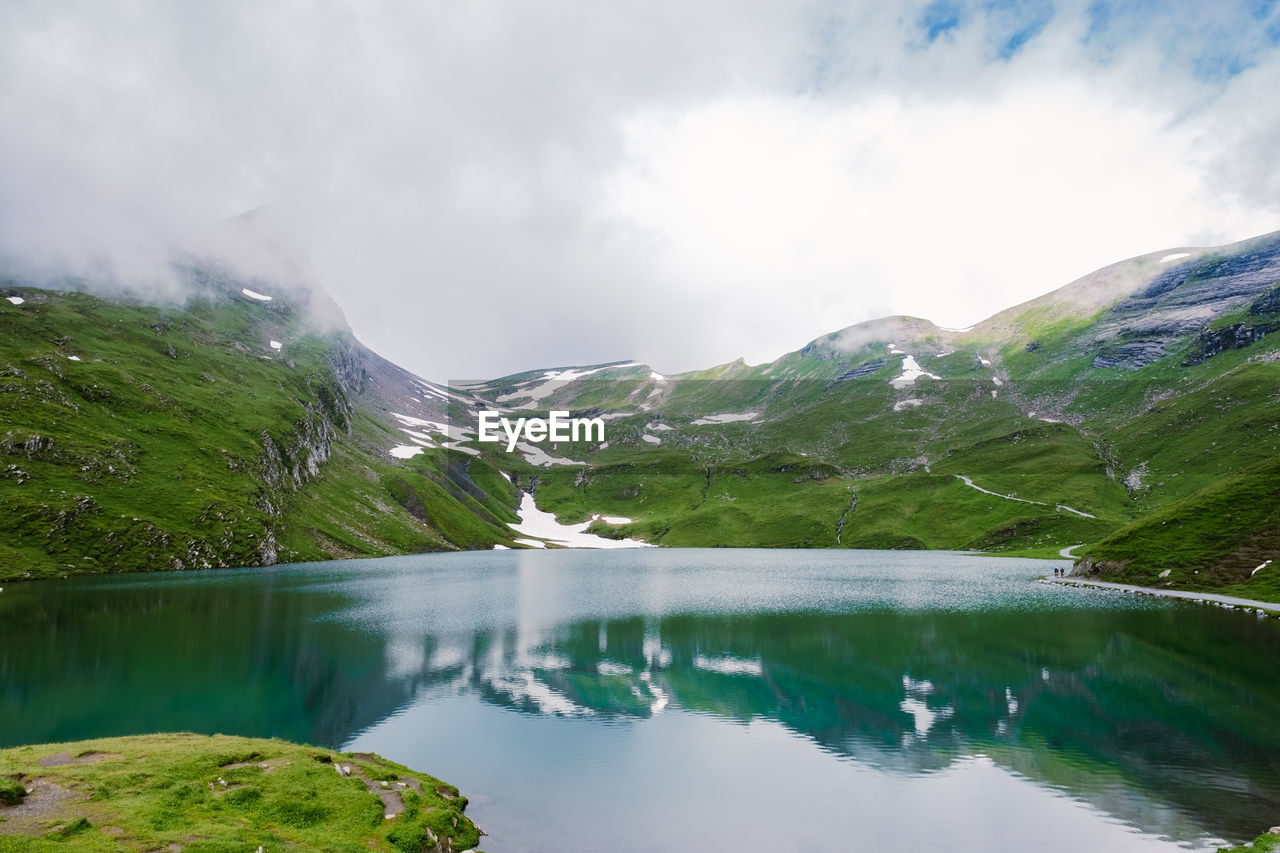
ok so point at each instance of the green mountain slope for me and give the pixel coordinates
(238, 430)
(138, 437)
(1058, 422)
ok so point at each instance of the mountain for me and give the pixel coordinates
(1141, 396)
(1132, 412)
(229, 429)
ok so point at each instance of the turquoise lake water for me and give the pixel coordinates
(696, 699)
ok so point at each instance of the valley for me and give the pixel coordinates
(1134, 411)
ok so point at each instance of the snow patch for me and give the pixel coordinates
(427, 388)
(276, 345)
(656, 376)
(461, 448)
(727, 418)
(73, 358)
(448, 430)
(261, 297)
(652, 439)
(911, 371)
(1175, 256)
(497, 547)
(553, 379)
(906, 404)
(418, 437)
(657, 427)
(543, 525)
(405, 451)
(408, 420)
(537, 456)
(614, 519)
(16, 300)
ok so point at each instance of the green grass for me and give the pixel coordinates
(217, 793)
(151, 450)
(1211, 540)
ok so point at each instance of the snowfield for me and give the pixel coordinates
(543, 525)
(535, 455)
(261, 297)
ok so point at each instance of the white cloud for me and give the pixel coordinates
(951, 210)
(490, 186)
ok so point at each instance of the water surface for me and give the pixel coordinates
(709, 699)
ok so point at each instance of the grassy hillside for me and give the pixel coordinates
(219, 794)
(1062, 421)
(231, 432)
(1213, 539)
(137, 437)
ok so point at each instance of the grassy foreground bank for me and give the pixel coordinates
(219, 794)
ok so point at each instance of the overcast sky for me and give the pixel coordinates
(486, 187)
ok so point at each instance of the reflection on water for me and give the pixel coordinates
(916, 676)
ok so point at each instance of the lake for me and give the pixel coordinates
(635, 700)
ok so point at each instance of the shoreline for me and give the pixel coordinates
(1229, 601)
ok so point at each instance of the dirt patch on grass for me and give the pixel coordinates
(268, 766)
(93, 756)
(45, 802)
(392, 800)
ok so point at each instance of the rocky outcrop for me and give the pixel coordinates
(1268, 303)
(1181, 301)
(1132, 355)
(1098, 569)
(865, 369)
(288, 462)
(1213, 278)
(1236, 336)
